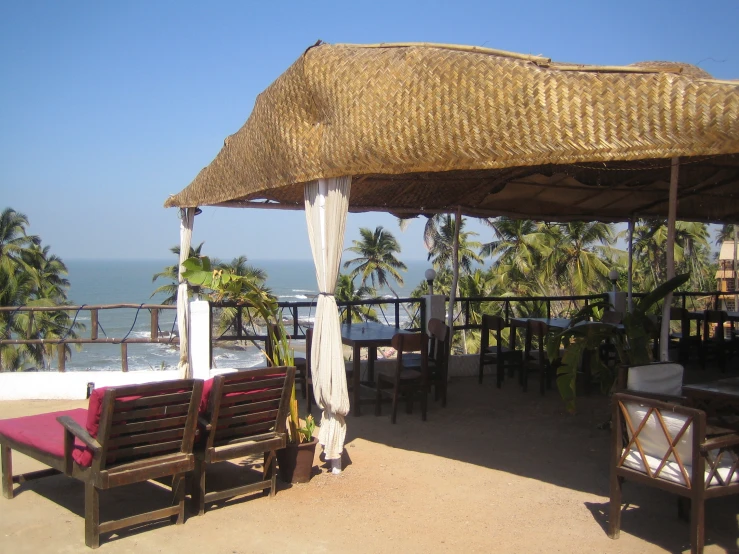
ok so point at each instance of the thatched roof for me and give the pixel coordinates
(427, 128)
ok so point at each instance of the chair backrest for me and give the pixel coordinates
(495, 324)
(659, 439)
(439, 335)
(411, 342)
(144, 421)
(612, 316)
(715, 319)
(248, 403)
(536, 332)
(657, 378)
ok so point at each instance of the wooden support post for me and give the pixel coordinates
(62, 357)
(664, 339)
(124, 357)
(94, 324)
(154, 323)
(29, 329)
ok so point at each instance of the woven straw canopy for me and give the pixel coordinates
(430, 128)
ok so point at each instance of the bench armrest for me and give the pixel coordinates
(722, 441)
(79, 432)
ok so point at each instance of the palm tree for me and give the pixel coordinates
(345, 292)
(376, 262)
(579, 252)
(172, 272)
(441, 246)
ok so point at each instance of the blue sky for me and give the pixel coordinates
(106, 108)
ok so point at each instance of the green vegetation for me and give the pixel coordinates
(30, 276)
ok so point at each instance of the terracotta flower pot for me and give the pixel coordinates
(295, 462)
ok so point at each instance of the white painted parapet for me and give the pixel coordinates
(71, 385)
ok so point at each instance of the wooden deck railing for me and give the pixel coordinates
(390, 311)
(154, 337)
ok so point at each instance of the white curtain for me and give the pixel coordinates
(326, 206)
(183, 305)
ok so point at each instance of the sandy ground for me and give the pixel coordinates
(494, 471)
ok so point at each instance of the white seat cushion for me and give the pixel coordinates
(655, 445)
(659, 378)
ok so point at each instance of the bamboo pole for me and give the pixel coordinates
(736, 276)
(124, 357)
(94, 324)
(61, 354)
(455, 269)
(154, 323)
(631, 265)
(664, 337)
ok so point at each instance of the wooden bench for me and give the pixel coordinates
(242, 414)
(127, 435)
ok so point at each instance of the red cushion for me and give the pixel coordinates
(43, 432)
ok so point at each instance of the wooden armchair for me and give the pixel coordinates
(127, 435)
(242, 414)
(497, 354)
(665, 445)
(401, 379)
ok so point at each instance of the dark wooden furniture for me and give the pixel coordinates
(499, 354)
(438, 358)
(665, 445)
(128, 435)
(535, 355)
(403, 380)
(717, 338)
(242, 414)
(367, 335)
(719, 399)
(274, 332)
(687, 342)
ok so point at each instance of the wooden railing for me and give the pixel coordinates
(155, 336)
(389, 310)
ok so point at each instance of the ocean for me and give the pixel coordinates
(130, 282)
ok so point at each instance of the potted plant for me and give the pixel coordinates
(584, 336)
(295, 462)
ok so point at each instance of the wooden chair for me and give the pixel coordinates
(242, 414)
(665, 445)
(498, 354)
(438, 358)
(686, 342)
(535, 355)
(717, 338)
(301, 365)
(400, 379)
(127, 435)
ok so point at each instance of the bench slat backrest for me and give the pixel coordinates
(250, 403)
(144, 421)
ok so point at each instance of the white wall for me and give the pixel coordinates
(71, 385)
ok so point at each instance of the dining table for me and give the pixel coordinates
(552, 322)
(369, 335)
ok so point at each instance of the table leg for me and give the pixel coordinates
(371, 357)
(356, 380)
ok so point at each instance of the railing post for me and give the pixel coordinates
(61, 355)
(30, 325)
(124, 357)
(422, 323)
(397, 313)
(94, 325)
(154, 323)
